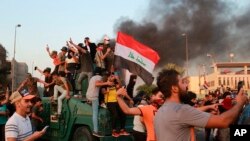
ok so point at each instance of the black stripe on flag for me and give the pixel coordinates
(134, 68)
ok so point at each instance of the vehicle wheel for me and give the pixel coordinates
(82, 134)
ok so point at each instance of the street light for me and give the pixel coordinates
(14, 59)
(231, 57)
(212, 58)
(184, 34)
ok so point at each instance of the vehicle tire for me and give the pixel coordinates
(82, 134)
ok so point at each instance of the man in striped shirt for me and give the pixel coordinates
(18, 127)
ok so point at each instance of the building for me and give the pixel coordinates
(4, 68)
(225, 74)
(229, 74)
(20, 73)
(2, 58)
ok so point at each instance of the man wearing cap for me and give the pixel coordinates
(48, 90)
(18, 127)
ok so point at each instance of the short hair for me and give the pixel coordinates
(81, 45)
(99, 44)
(226, 94)
(189, 96)
(155, 90)
(48, 70)
(166, 79)
(53, 52)
(36, 99)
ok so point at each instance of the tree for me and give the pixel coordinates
(146, 89)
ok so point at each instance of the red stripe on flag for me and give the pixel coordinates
(144, 50)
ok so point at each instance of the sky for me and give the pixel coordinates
(53, 22)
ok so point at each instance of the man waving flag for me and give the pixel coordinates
(136, 57)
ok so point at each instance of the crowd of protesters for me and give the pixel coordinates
(170, 111)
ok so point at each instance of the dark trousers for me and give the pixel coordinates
(207, 134)
(2, 135)
(116, 115)
(56, 69)
(71, 78)
(139, 136)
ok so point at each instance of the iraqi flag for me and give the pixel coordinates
(205, 85)
(132, 55)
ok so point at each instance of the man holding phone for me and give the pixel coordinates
(18, 127)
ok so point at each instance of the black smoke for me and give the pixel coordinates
(212, 26)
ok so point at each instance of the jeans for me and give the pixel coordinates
(83, 75)
(95, 105)
(60, 98)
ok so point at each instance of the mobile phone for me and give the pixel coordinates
(240, 85)
(46, 127)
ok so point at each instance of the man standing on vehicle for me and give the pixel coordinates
(93, 95)
(18, 127)
(62, 86)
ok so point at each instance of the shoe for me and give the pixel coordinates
(115, 134)
(97, 134)
(103, 105)
(55, 118)
(124, 133)
(80, 92)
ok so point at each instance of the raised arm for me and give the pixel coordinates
(22, 85)
(41, 81)
(48, 50)
(76, 46)
(125, 108)
(228, 117)
(39, 70)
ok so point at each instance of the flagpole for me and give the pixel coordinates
(199, 67)
(204, 74)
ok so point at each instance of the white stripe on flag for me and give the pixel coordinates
(134, 56)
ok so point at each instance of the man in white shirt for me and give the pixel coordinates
(93, 95)
(18, 127)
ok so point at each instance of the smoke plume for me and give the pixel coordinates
(211, 26)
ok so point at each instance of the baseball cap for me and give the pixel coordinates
(64, 49)
(15, 96)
